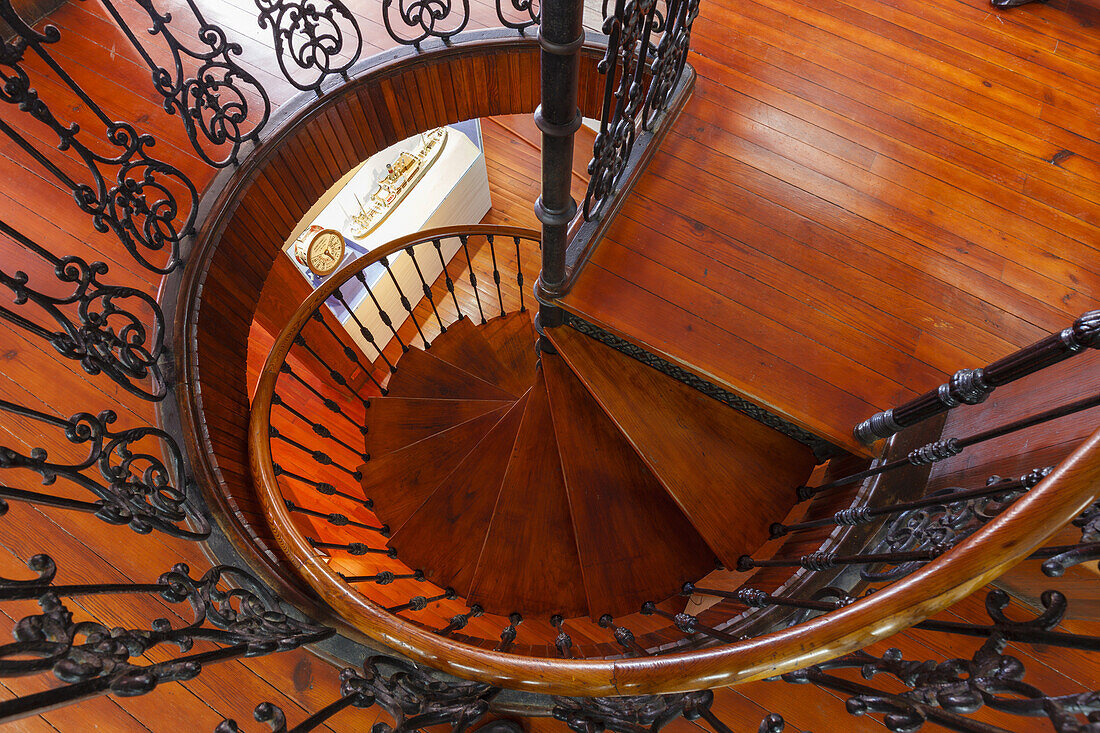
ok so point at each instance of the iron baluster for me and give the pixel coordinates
(329, 404)
(496, 273)
(352, 548)
(230, 610)
(947, 447)
(633, 713)
(352, 355)
(274, 716)
(151, 206)
(416, 699)
(319, 457)
(670, 59)
(519, 275)
(865, 514)
(384, 578)
(322, 487)
(508, 635)
(826, 560)
(381, 312)
(314, 39)
(135, 487)
(688, 624)
(473, 277)
(8, 493)
(459, 621)
(944, 524)
(318, 428)
(411, 251)
(946, 692)
(366, 333)
(447, 276)
(333, 374)
(562, 642)
(106, 334)
(625, 66)
(973, 386)
(424, 19)
(419, 603)
(623, 637)
(405, 301)
(526, 7)
(214, 101)
(336, 519)
(754, 598)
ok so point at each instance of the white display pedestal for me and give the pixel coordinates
(454, 191)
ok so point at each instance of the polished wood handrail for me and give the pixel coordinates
(984, 556)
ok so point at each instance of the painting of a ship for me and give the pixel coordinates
(401, 175)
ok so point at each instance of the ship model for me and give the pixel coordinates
(401, 175)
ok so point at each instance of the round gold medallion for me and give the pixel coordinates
(325, 252)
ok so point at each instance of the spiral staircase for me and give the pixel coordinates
(584, 464)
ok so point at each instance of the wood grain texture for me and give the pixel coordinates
(465, 347)
(400, 481)
(421, 374)
(634, 543)
(712, 460)
(395, 422)
(530, 560)
(457, 514)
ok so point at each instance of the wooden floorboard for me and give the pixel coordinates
(863, 196)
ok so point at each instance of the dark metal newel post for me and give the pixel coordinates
(561, 36)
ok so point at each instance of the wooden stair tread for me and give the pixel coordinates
(530, 562)
(464, 346)
(419, 374)
(712, 460)
(445, 535)
(635, 544)
(395, 422)
(401, 480)
(513, 339)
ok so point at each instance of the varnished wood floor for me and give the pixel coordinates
(921, 179)
(863, 197)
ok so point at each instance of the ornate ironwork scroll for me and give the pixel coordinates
(945, 692)
(314, 39)
(413, 698)
(946, 524)
(633, 714)
(670, 58)
(114, 330)
(628, 30)
(150, 205)
(529, 11)
(411, 22)
(136, 487)
(230, 609)
(219, 100)
(640, 76)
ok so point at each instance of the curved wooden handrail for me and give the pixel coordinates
(984, 556)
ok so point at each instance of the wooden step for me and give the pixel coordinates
(635, 544)
(445, 535)
(464, 346)
(513, 339)
(530, 562)
(395, 422)
(731, 475)
(419, 374)
(401, 480)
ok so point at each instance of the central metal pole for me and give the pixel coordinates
(561, 35)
